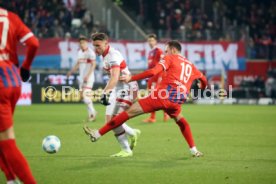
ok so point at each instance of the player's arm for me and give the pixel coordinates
(26, 37)
(203, 82)
(201, 78)
(114, 77)
(91, 70)
(32, 46)
(146, 74)
(73, 70)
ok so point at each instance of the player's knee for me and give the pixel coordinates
(86, 100)
(178, 117)
(7, 134)
(134, 110)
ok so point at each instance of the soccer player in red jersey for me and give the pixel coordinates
(168, 96)
(12, 30)
(154, 57)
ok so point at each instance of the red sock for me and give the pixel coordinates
(152, 115)
(114, 122)
(186, 131)
(6, 168)
(16, 161)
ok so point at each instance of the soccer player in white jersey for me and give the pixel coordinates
(122, 94)
(86, 64)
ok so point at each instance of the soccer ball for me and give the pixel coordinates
(51, 144)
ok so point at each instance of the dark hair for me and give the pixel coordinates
(174, 44)
(82, 38)
(152, 36)
(99, 36)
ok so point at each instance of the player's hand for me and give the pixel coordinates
(199, 84)
(104, 99)
(125, 78)
(25, 74)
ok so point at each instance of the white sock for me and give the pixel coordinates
(97, 134)
(193, 150)
(123, 141)
(90, 108)
(11, 182)
(129, 131)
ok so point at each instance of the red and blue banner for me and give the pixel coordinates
(59, 53)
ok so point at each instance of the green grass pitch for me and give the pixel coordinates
(239, 143)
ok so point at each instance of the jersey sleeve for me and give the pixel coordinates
(165, 62)
(23, 32)
(115, 60)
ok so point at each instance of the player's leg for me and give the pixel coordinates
(145, 105)
(87, 99)
(120, 132)
(121, 135)
(9, 150)
(185, 129)
(9, 174)
(132, 133)
(118, 120)
(85, 89)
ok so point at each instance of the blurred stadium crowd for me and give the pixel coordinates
(55, 18)
(251, 21)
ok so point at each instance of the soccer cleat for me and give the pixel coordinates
(123, 154)
(91, 118)
(149, 120)
(91, 133)
(134, 139)
(197, 154)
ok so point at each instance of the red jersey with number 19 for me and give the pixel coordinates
(180, 75)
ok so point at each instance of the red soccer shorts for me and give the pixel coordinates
(8, 100)
(10, 89)
(155, 102)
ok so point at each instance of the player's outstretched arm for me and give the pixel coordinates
(146, 74)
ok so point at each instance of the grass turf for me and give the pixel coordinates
(239, 143)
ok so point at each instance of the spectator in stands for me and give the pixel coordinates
(52, 18)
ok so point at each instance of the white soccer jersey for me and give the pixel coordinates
(85, 59)
(121, 96)
(113, 58)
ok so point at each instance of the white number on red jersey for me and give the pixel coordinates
(4, 32)
(186, 72)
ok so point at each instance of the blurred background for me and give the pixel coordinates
(231, 41)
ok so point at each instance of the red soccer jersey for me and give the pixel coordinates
(154, 57)
(180, 75)
(12, 30)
